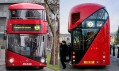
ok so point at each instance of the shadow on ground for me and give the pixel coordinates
(23, 68)
(90, 67)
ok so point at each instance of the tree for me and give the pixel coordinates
(52, 16)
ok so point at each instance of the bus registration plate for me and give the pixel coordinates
(27, 63)
(89, 62)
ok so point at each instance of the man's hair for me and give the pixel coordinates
(64, 41)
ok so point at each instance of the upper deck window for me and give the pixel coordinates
(27, 14)
(75, 17)
(96, 20)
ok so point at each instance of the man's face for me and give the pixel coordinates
(63, 43)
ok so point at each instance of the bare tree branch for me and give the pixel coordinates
(48, 19)
(52, 10)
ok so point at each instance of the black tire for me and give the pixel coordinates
(8, 68)
(41, 67)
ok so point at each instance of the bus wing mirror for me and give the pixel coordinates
(5, 37)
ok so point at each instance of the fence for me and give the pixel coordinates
(114, 51)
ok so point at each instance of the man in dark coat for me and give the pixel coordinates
(63, 50)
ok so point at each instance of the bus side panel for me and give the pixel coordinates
(107, 40)
(98, 52)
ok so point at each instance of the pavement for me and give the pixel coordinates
(2, 57)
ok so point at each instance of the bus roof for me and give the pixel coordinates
(85, 10)
(25, 6)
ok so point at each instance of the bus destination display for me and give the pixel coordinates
(26, 27)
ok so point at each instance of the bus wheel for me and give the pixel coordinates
(8, 68)
(41, 67)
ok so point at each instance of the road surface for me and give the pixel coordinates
(114, 66)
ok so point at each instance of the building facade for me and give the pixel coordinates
(112, 39)
(65, 37)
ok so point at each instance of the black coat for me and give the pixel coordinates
(63, 50)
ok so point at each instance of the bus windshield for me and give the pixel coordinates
(26, 44)
(26, 14)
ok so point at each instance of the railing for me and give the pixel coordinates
(114, 51)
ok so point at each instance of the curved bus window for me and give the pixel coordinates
(96, 20)
(75, 17)
(26, 45)
(82, 38)
(85, 33)
(100, 14)
(27, 14)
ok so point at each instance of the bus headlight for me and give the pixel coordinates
(11, 60)
(42, 60)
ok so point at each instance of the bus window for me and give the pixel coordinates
(101, 14)
(30, 14)
(24, 44)
(14, 13)
(44, 15)
(75, 17)
(26, 14)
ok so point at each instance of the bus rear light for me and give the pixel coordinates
(103, 61)
(73, 60)
(74, 56)
(73, 52)
(103, 52)
(96, 62)
(103, 56)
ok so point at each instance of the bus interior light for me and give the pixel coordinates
(90, 24)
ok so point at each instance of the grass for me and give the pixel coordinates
(54, 67)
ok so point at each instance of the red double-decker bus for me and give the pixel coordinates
(90, 35)
(26, 32)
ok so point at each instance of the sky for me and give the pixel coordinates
(112, 7)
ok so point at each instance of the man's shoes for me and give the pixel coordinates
(64, 67)
(70, 63)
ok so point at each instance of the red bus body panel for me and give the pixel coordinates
(19, 60)
(11, 22)
(98, 49)
(101, 44)
(85, 11)
(25, 6)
